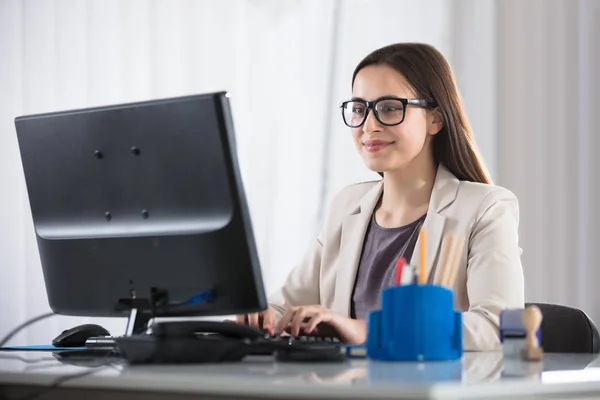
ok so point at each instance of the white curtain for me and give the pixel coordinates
(548, 58)
(287, 65)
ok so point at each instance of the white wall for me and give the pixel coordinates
(278, 57)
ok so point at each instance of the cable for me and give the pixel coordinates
(202, 297)
(58, 381)
(23, 326)
(199, 298)
(5, 356)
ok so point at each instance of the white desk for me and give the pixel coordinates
(477, 375)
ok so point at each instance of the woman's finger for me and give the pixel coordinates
(269, 321)
(253, 320)
(313, 322)
(298, 320)
(285, 320)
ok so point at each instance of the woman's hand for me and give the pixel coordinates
(264, 320)
(315, 319)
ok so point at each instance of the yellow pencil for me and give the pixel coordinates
(422, 260)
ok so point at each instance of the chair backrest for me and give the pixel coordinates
(567, 330)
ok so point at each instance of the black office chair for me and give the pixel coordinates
(567, 330)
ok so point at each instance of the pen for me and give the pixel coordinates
(399, 268)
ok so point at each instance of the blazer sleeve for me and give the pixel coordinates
(494, 272)
(301, 286)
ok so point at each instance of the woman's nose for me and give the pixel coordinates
(371, 124)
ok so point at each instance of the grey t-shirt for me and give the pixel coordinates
(381, 250)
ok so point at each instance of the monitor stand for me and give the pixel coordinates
(137, 322)
(142, 310)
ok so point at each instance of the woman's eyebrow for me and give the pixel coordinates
(380, 97)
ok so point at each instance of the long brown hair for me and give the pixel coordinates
(430, 75)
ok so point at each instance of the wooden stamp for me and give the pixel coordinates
(532, 318)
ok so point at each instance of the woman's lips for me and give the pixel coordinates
(373, 146)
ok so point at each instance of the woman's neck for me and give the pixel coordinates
(406, 193)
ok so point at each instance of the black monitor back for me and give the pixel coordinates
(138, 196)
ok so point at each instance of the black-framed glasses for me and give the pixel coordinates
(389, 111)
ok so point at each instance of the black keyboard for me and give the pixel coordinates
(305, 339)
(208, 341)
(301, 348)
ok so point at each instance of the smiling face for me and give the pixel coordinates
(390, 148)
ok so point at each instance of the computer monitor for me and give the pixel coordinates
(141, 206)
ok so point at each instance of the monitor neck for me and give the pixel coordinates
(137, 322)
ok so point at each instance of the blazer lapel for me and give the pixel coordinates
(444, 192)
(354, 229)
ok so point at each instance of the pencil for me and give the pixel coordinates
(455, 261)
(445, 258)
(422, 260)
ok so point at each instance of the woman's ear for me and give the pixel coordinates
(436, 122)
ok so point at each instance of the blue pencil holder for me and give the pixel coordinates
(415, 323)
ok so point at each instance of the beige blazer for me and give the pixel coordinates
(490, 275)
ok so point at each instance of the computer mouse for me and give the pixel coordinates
(76, 337)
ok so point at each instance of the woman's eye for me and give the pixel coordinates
(390, 107)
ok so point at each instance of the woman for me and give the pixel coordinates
(408, 123)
